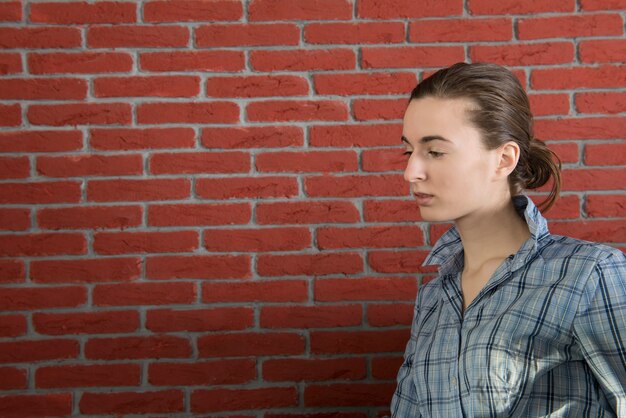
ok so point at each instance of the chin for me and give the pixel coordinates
(430, 214)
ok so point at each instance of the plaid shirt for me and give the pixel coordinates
(545, 337)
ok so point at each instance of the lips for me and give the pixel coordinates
(422, 195)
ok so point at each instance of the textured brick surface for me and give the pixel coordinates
(203, 211)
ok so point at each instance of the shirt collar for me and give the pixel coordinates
(448, 251)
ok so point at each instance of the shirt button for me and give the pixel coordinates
(453, 381)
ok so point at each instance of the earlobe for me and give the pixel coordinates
(509, 156)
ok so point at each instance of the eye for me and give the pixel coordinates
(436, 154)
(407, 153)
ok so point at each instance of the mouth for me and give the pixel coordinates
(422, 195)
(423, 199)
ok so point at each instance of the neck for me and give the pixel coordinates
(493, 234)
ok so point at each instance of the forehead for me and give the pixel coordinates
(434, 116)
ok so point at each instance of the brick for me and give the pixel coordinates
(151, 86)
(605, 154)
(80, 13)
(11, 11)
(75, 376)
(305, 317)
(114, 139)
(89, 217)
(257, 240)
(41, 405)
(363, 289)
(192, 11)
(250, 344)
(42, 89)
(12, 271)
(386, 368)
(303, 60)
(29, 351)
(101, 322)
(201, 373)
(567, 152)
(199, 162)
(319, 369)
(12, 326)
(394, 9)
(317, 415)
(601, 102)
(145, 242)
(360, 135)
(378, 109)
(198, 267)
(121, 36)
(217, 400)
(309, 212)
(356, 84)
(85, 270)
(602, 51)
(465, 30)
(10, 63)
(406, 261)
(14, 219)
(255, 291)
(194, 112)
(257, 86)
(369, 237)
(436, 231)
(192, 61)
(40, 141)
(524, 54)
(248, 34)
(594, 230)
(40, 192)
(13, 378)
(580, 128)
(242, 188)
(355, 186)
(335, 342)
(10, 115)
(570, 26)
(603, 4)
(353, 394)
(391, 211)
(309, 264)
(135, 347)
(199, 214)
(40, 37)
(566, 207)
(132, 403)
(510, 7)
(79, 62)
(296, 110)
(605, 206)
(270, 10)
(389, 315)
(80, 114)
(381, 160)
(199, 320)
(14, 167)
(578, 77)
(549, 104)
(410, 57)
(138, 190)
(252, 137)
(42, 244)
(354, 33)
(593, 179)
(309, 161)
(82, 165)
(128, 294)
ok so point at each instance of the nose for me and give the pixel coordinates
(415, 170)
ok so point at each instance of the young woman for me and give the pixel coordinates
(519, 322)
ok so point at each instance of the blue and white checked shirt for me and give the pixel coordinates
(545, 337)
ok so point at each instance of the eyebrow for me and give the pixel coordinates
(426, 139)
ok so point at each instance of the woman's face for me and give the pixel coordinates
(450, 170)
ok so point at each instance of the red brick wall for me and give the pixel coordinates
(203, 210)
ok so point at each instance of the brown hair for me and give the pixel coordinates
(502, 114)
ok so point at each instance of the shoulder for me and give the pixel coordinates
(557, 247)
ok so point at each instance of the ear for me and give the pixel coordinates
(508, 156)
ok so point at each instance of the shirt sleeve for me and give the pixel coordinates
(404, 402)
(600, 328)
